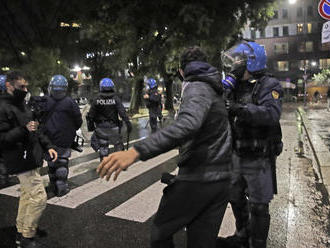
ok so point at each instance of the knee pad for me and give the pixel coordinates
(61, 162)
(62, 173)
(259, 209)
(104, 151)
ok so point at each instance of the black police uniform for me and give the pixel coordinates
(104, 113)
(254, 115)
(154, 106)
(65, 118)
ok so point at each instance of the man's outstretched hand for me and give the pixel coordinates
(116, 162)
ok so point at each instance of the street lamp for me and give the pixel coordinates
(292, 1)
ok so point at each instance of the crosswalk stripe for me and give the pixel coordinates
(74, 170)
(97, 187)
(142, 206)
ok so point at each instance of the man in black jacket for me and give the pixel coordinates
(154, 103)
(104, 112)
(61, 120)
(3, 171)
(198, 196)
(22, 146)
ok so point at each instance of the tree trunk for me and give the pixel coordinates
(136, 98)
(168, 82)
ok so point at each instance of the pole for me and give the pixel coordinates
(305, 86)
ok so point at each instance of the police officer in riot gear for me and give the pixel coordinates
(153, 103)
(254, 106)
(104, 113)
(61, 120)
(3, 171)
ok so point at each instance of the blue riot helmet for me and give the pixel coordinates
(246, 55)
(151, 83)
(58, 86)
(106, 84)
(3, 83)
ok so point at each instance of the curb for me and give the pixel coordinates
(321, 155)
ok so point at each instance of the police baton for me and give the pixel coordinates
(127, 143)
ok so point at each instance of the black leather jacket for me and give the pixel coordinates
(201, 130)
(21, 150)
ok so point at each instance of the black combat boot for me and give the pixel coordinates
(18, 240)
(241, 238)
(238, 240)
(30, 243)
(39, 234)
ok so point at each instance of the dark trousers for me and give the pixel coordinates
(199, 207)
(153, 123)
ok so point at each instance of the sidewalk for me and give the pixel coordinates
(317, 122)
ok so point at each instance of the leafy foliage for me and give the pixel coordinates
(145, 37)
(322, 78)
(43, 64)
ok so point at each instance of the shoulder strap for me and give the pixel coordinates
(255, 91)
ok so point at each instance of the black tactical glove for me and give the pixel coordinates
(239, 110)
(129, 126)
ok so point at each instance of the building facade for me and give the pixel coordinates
(292, 40)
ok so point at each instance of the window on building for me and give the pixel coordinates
(281, 48)
(304, 64)
(275, 32)
(275, 14)
(309, 28)
(310, 11)
(300, 28)
(284, 13)
(262, 33)
(253, 34)
(309, 46)
(305, 46)
(285, 30)
(324, 63)
(299, 12)
(282, 65)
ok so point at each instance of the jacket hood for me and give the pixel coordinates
(204, 72)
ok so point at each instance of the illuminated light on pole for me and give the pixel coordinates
(292, 1)
(76, 68)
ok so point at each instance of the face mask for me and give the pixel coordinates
(19, 95)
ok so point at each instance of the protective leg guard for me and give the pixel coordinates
(153, 124)
(104, 148)
(61, 173)
(103, 152)
(259, 225)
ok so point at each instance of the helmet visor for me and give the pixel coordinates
(231, 61)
